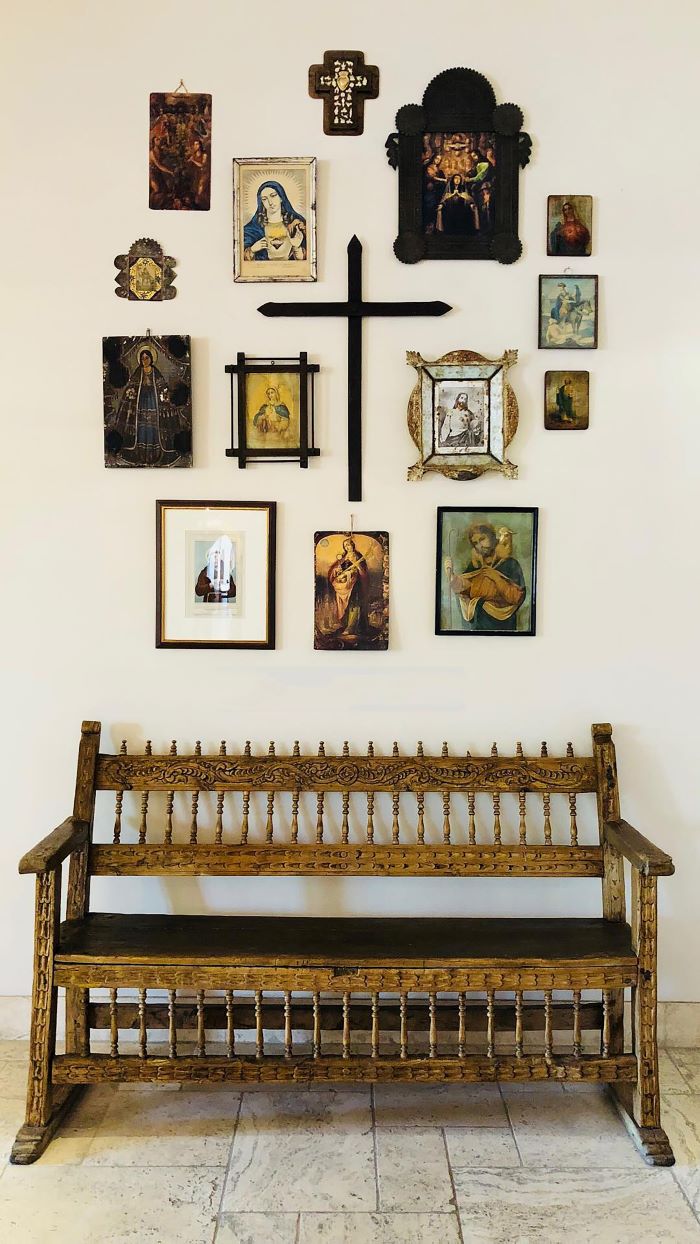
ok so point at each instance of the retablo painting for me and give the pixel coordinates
(147, 401)
(459, 184)
(179, 156)
(274, 219)
(351, 590)
(569, 224)
(486, 571)
(566, 399)
(145, 274)
(568, 312)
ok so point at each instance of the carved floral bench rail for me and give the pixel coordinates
(254, 998)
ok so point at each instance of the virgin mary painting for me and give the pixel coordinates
(276, 231)
(147, 406)
(274, 219)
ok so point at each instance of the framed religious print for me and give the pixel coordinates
(566, 399)
(179, 151)
(486, 572)
(462, 414)
(351, 595)
(568, 313)
(569, 224)
(274, 219)
(215, 574)
(272, 410)
(147, 394)
(458, 155)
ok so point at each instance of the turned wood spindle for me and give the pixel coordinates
(375, 1026)
(143, 825)
(471, 808)
(319, 802)
(269, 823)
(496, 810)
(295, 800)
(605, 1041)
(445, 808)
(113, 1025)
(246, 802)
(546, 807)
(345, 824)
(143, 1032)
(259, 1032)
(219, 833)
(195, 801)
(172, 1024)
(548, 1051)
(462, 1029)
(395, 830)
(201, 1047)
(432, 1035)
(573, 827)
(577, 1024)
(404, 1025)
(230, 1029)
(522, 804)
(316, 1039)
(420, 801)
(518, 1023)
(346, 1025)
(118, 801)
(370, 802)
(490, 1024)
(170, 805)
(288, 1047)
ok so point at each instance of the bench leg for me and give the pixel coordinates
(640, 1104)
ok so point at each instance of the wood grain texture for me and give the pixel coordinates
(78, 891)
(613, 885)
(641, 853)
(69, 836)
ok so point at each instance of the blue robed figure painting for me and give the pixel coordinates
(276, 231)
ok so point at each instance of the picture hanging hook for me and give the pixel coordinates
(148, 334)
(352, 524)
(182, 86)
(568, 272)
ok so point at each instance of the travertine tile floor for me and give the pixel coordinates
(393, 1165)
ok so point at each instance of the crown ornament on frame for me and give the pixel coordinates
(462, 414)
(272, 410)
(145, 273)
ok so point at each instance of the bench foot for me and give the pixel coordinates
(652, 1142)
(32, 1139)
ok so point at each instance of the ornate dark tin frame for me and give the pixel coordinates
(458, 101)
(239, 442)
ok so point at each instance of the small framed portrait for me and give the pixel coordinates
(486, 574)
(351, 597)
(272, 410)
(147, 401)
(569, 224)
(568, 313)
(462, 414)
(215, 574)
(274, 219)
(566, 399)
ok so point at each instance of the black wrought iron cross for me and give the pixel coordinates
(343, 82)
(354, 311)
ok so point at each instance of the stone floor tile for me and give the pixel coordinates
(687, 1063)
(515, 1088)
(165, 1129)
(412, 1170)
(570, 1130)
(13, 1077)
(688, 1180)
(481, 1147)
(258, 1229)
(16, 1051)
(285, 1109)
(51, 1204)
(680, 1118)
(314, 1169)
(11, 1119)
(438, 1105)
(378, 1229)
(573, 1207)
(670, 1077)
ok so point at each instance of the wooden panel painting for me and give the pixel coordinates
(459, 181)
(566, 399)
(351, 590)
(486, 571)
(568, 312)
(569, 224)
(179, 156)
(147, 401)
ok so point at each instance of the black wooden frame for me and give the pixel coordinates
(487, 510)
(458, 101)
(239, 445)
(269, 641)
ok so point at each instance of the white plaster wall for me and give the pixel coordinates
(610, 93)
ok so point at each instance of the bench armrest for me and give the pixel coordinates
(641, 853)
(53, 849)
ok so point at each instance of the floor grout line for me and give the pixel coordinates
(374, 1146)
(460, 1232)
(510, 1125)
(226, 1168)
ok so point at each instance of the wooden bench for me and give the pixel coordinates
(276, 998)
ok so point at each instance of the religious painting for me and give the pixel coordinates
(215, 574)
(145, 274)
(569, 224)
(566, 399)
(458, 154)
(351, 600)
(486, 572)
(147, 394)
(462, 414)
(272, 410)
(343, 82)
(568, 313)
(459, 184)
(179, 155)
(274, 219)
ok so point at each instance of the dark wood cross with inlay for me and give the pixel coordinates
(354, 311)
(343, 82)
